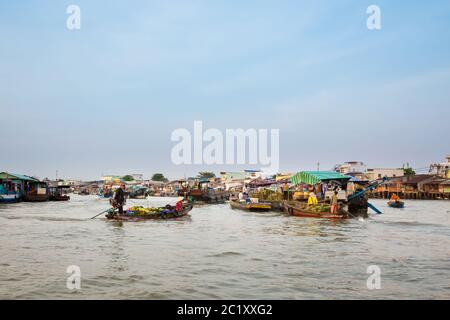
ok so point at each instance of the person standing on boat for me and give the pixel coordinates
(119, 198)
(286, 191)
(334, 202)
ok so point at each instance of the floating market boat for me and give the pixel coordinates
(59, 193)
(254, 207)
(202, 192)
(141, 214)
(138, 192)
(396, 204)
(300, 209)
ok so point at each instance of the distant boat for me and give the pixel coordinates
(396, 204)
(254, 207)
(59, 193)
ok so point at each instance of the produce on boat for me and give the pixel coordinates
(301, 209)
(138, 213)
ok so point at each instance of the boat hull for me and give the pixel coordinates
(396, 204)
(297, 211)
(253, 207)
(59, 198)
(36, 198)
(9, 198)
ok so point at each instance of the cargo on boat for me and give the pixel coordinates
(142, 214)
(250, 206)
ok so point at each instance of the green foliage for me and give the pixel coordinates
(127, 178)
(159, 177)
(206, 174)
(409, 172)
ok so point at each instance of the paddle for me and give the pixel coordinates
(100, 214)
(371, 206)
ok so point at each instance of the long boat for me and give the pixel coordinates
(113, 215)
(254, 207)
(301, 210)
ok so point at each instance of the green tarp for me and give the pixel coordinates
(314, 177)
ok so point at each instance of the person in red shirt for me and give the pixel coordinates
(179, 205)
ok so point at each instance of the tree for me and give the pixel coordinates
(409, 172)
(128, 178)
(159, 177)
(206, 174)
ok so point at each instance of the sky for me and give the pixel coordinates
(106, 98)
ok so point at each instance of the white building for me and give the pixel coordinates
(378, 173)
(352, 167)
(355, 169)
(441, 169)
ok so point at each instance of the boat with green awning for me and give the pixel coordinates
(315, 177)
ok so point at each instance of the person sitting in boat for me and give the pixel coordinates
(395, 198)
(179, 205)
(312, 200)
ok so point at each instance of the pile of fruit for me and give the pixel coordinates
(319, 208)
(141, 211)
(267, 195)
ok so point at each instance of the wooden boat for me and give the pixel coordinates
(113, 215)
(300, 209)
(37, 192)
(59, 193)
(138, 193)
(35, 197)
(396, 204)
(59, 197)
(254, 207)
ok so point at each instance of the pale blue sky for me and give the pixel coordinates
(106, 98)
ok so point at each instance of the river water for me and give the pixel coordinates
(218, 253)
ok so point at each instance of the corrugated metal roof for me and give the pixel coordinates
(15, 176)
(314, 177)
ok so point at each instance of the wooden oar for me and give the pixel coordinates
(99, 214)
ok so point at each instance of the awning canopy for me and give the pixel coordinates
(315, 177)
(15, 176)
